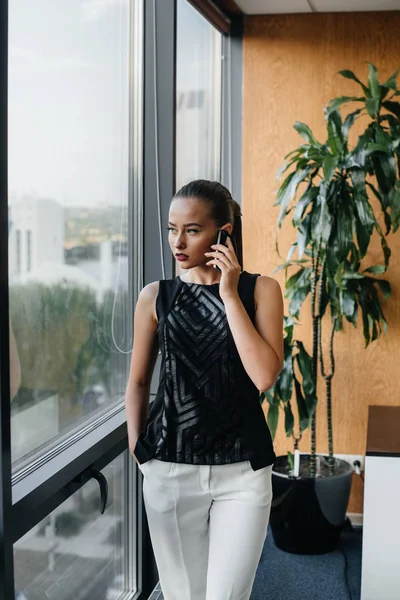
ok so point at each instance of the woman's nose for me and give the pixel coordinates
(178, 242)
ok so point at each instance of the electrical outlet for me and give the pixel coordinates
(350, 458)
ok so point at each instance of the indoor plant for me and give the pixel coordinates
(327, 193)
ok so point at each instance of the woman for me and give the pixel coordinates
(205, 451)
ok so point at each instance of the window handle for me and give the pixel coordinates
(101, 480)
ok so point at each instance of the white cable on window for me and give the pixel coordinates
(156, 140)
(229, 91)
(115, 299)
(222, 108)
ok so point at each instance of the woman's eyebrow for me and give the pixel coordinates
(187, 224)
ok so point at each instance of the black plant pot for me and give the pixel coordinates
(308, 514)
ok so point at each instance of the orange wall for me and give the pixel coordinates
(290, 66)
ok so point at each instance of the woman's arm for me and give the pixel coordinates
(144, 356)
(260, 346)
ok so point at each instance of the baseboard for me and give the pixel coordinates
(356, 519)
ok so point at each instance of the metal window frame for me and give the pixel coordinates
(213, 13)
(6, 548)
(232, 98)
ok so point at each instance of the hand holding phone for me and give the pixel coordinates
(221, 239)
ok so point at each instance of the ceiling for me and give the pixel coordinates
(265, 7)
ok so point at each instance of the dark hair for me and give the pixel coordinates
(223, 208)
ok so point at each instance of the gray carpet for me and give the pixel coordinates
(283, 576)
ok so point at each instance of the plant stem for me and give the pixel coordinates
(315, 326)
(328, 384)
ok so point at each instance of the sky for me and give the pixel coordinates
(68, 95)
(68, 92)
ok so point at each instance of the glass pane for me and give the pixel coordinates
(76, 552)
(70, 304)
(198, 119)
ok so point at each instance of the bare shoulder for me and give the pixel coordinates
(267, 289)
(147, 299)
(150, 291)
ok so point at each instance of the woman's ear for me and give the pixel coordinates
(228, 227)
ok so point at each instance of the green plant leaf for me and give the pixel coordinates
(303, 235)
(384, 205)
(372, 106)
(290, 263)
(272, 419)
(321, 220)
(385, 170)
(309, 195)
(363, 237)
(286, 376)
(344, 232)
(376, 269)
(335, 133)
(374, 147)
(391, 83)
(306, 133)
(349, 122)
(350, 75)
(304, 362)
(394, 203)
(337, 102)
(385, 287)
(289, 419)
(362, 301)
(347, 302)
(373, 81)
(297, 299)
(363, 208)
(393, 107)
(293, 281)
(352, 275)
(304, 419)
(386, 250)
(330, 166)
(287, 191)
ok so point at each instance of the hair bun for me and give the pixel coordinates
(237, 209)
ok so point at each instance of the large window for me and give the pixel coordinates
(198, 93)
(86, 177)
(75, 552)
(70, 294)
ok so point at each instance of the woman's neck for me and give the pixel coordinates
(206, 276)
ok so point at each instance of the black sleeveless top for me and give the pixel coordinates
(207, 410)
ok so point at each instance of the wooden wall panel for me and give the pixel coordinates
(290, 72)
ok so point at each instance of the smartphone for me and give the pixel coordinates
(221, 239)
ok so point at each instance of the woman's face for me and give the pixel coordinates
(191, 231)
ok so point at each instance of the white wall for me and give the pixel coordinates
(381, 531)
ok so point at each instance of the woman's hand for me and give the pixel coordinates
(227, 261)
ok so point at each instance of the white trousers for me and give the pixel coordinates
(208, 525)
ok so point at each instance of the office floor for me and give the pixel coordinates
(283, 576)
